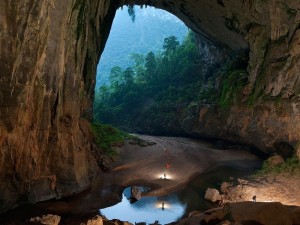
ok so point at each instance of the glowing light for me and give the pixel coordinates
(165, 176)
(162, 205)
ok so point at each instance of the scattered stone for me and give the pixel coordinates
(46, 219)
(275, 160)
(212, 195)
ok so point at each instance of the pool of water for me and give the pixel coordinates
(165, 209)
(171, 207)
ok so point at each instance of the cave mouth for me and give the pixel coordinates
(154, 72)
(130, 61)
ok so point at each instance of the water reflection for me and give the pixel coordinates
(170, 208)
(164, 209)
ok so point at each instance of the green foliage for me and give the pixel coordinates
(107, 137)
(168, 78)
(290, 166)
(232, 84)
(144, 35)
(149, 94)
(233, 79)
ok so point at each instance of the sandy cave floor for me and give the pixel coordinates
(181, 159)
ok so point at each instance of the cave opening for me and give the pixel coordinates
(154, 73)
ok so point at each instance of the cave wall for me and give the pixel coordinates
(48, 56)
(49, 51)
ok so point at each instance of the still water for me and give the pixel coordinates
(165, 209)
(176, 205)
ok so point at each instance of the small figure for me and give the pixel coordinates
(163, 206)
(254, 198)
(168, 166)
(165, 176)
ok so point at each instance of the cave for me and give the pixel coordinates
(49, 51)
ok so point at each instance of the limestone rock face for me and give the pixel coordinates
(48, 56)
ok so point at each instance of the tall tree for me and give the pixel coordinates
(115, 77)
(150, 64)
(170, 45)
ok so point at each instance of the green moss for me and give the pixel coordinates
(290, 166)
(232, 85)
(108, 137)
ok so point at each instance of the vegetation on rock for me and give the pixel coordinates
(107, 137)
(290, 166)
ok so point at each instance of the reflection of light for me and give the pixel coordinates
(168, 176)
(159, 205)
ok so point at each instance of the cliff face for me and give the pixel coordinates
(48, 56)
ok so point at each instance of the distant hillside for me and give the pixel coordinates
(146, 34)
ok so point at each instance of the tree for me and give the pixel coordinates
(139, 68)
(115, 77)
(150, 64)
(170, 45)
(128, 76)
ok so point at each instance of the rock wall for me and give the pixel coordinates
(48, 56)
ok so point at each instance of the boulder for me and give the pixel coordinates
(275, 160)
(295, 214)
(212, 195)
(46, 219)
(95, 221)
(136, 193)
(266, 213)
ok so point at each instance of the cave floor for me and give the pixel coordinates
(181, 159)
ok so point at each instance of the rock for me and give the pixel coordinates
(275, 160)
(265, 213)
(212, 195)
(226, 222)
(298, 152)
(242, 181)
(136, 192)
(224, 187)
(95, 221)
(194, 213)
(295, 214)
(48, 78)
(47, 220)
